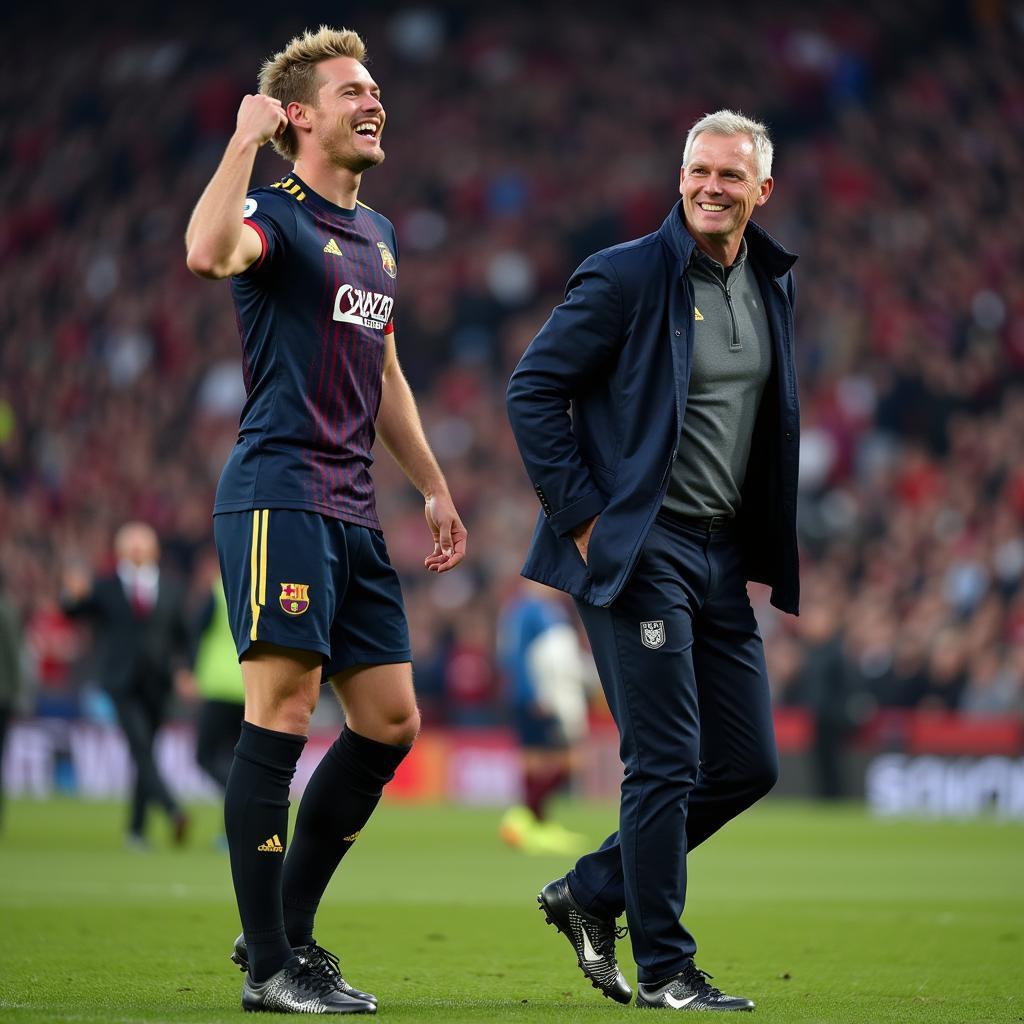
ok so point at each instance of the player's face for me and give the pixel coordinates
(349, 118)
(719, 186)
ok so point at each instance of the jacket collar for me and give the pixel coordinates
(764, 250)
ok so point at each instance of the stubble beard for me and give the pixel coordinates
(348, 159)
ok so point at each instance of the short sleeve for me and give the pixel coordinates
(390, 328)
(272, 218)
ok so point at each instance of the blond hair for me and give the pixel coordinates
(290, 76)
(730, 122)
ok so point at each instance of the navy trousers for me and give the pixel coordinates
(682, 665)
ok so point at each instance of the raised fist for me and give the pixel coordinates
(261, 118)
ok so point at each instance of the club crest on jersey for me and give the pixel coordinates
(390, 266)
(354, 305)
(251, 206)
(653, 633)
(294, 598)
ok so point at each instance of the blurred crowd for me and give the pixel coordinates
(519, 140)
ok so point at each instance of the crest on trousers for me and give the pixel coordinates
(653, 633)
(294, 598)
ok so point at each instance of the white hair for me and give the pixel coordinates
(729, 122)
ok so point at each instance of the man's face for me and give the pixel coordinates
(719, 186)
(349, 119)
(136, 543)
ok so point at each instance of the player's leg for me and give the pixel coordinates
(373, 681)
(546, 771)
(281, 687)
(381, 722)
(280, 605)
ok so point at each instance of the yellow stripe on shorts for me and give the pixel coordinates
(265, 516)
(258, 567)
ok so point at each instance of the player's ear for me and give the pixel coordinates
(298, 115)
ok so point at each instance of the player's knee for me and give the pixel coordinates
(289, 713)
(403, 730)
(397, 729)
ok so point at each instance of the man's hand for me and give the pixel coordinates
(185, 686)
(260, 118)
(448, 532)
(581, 537)
(76, 583)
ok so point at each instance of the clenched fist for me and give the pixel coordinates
(260, 118)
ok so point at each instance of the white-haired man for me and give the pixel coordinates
(656, 413)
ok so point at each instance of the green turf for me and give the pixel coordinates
(818, 915)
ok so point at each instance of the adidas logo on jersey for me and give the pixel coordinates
(272, 845)
(333, 248)
(368, 309)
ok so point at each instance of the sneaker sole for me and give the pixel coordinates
(699, 1009)
(548, 919)
(342, 1013)
(243, 966)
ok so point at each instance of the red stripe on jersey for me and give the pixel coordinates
(330, 344)
(263, 242)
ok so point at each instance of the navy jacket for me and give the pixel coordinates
(135, 656)
(597, 402)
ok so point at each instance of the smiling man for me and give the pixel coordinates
(310, 590)
(656, 413)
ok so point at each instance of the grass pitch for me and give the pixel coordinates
(817, 914)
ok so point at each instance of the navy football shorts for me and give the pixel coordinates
(304, 580)
(539, 730)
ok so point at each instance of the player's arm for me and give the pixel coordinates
(219, 244)
(401, 432)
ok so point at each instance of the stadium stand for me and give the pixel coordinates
(516, 145)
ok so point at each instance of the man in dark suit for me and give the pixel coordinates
(141, 637)
(656, 413)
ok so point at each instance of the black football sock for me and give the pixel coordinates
(540, 785)
(256, 823)
(337, 803)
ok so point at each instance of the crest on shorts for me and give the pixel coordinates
(294, 598)
(390, 266)
(653, 633)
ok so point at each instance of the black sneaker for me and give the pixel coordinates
(688, 990)
(314, 957)
(297, 988)
(593, 939)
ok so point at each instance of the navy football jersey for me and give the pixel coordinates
(312, 311)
